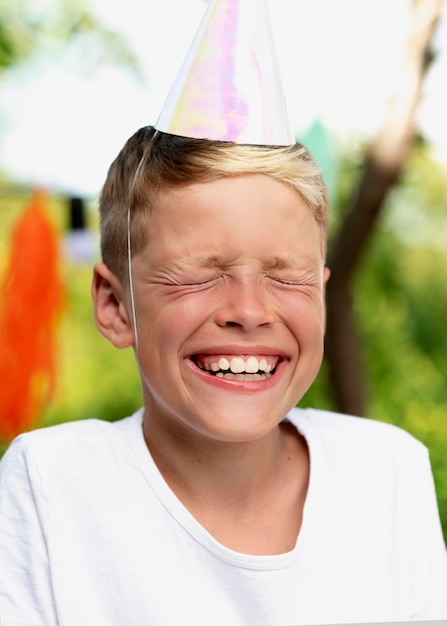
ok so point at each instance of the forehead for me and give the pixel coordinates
(252, 212)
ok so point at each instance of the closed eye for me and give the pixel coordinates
(197, 283)
(304, 281)
(176, 280)
(198, 280)
(286, 281)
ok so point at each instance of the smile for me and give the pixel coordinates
(238, 367)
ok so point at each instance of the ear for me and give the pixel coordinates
(110, 311)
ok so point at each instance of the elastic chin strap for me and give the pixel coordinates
(129, 266)
(129, 251)
(129, 260)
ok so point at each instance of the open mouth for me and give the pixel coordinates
(237, 367)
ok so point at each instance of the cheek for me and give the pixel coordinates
(305, 319)
(170, 324)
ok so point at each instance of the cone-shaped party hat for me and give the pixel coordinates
(229, 88)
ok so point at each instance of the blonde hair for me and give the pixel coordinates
(151, 161)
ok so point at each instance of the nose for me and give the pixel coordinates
(246, 305)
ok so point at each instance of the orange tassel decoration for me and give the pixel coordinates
(30, 308)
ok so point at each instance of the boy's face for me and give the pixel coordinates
(229, 298)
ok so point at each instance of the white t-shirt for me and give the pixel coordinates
(91, 535)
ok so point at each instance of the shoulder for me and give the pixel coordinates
(358, 439)
(68, 442)
(339, 425)
(363, 463)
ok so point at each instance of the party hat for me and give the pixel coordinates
(229, 87)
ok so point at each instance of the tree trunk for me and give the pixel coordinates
(384, 162)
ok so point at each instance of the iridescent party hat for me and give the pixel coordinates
(229, 88)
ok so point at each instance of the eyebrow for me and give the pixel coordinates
(199, 261)
(286, 262)
(275, 262)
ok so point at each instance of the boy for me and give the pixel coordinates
(218, 502)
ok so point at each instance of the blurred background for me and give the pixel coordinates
(365, 87)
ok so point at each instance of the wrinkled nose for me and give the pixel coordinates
(246, 305)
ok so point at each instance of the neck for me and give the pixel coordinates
(238, 491)
(201, 465)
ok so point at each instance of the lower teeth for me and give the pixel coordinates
(243, 376)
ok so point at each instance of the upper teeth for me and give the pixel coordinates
(239, 364)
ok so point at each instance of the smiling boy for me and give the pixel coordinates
(218, 502)
(228, 295)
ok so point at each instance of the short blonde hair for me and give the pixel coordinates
(151, 161)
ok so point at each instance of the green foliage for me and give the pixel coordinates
(400, 297)
(95, 379)
(401, 304)
(29, 28)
